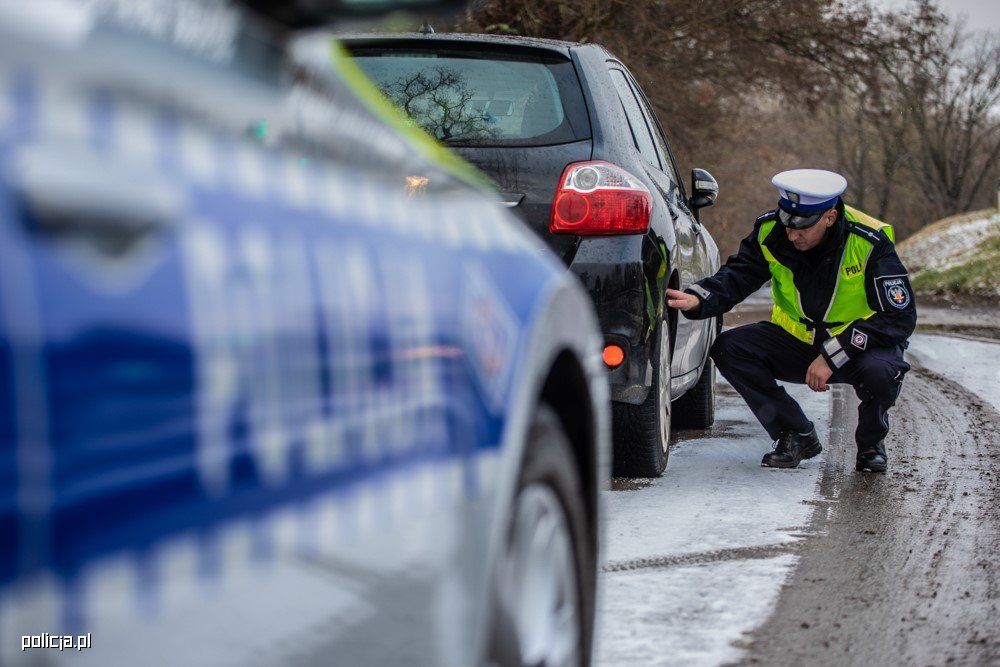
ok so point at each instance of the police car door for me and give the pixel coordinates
(147, 373)
(162, 280)
(99, 177)
(247, 427)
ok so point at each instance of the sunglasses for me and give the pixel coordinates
(797, 220)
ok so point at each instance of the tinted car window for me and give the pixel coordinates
(661, 143)
(640, 131)
(481, 99)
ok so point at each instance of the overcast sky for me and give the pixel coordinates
(980, 14)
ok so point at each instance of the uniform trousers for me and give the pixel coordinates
(754, 356)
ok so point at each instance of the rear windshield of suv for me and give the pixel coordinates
(482, 99)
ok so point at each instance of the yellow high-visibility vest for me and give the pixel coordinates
(849, 301)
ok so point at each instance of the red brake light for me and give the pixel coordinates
(597, 198)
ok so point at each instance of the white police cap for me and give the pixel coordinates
(808, 191)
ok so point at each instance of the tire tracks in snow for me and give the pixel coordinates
(904, 568)
(702, 558)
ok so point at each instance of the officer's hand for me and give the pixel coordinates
(681, 300)
(818, 374)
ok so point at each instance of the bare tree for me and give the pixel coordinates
(440, 101)
(905, 107)
(952, 94)
(698, 61)
(872, 138)
(719, 73)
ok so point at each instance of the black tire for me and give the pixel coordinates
(640, 446)
(696, 408)
(549, 461)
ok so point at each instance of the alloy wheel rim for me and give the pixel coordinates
(538, 587)
(665, 394)
(712, 385)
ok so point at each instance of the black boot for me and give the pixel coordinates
(872, 459)
(791, 448)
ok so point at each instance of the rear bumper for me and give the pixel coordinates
(621, 298)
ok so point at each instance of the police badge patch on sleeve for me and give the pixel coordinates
(893, 291)
(859, 339)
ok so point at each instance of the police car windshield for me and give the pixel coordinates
(476, 99)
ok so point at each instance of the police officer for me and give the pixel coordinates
(843, 311)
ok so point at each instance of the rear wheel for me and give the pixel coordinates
(642, 432)
(696, 408)
(547, 573)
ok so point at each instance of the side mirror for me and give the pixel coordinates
(298, 14)
(704, 189)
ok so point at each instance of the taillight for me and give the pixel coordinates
(595, 198)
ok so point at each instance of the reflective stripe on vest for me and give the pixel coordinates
(849, 301)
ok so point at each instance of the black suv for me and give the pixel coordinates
(575, 149)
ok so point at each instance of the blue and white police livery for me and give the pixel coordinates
(262, 399)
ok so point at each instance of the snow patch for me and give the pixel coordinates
(961, 361)
(947, 247)
(688, 615)
(714, 496)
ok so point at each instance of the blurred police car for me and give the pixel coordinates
(278, 383)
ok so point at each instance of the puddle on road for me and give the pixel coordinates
(721, 428)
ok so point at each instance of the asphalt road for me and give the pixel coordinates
(900, 569)
(721, 561)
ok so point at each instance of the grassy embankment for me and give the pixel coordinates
(957, 256)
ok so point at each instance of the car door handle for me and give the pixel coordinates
(71, 190)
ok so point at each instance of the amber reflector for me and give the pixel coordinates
(613, 356)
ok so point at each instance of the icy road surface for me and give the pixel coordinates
(697, 558)
(973, 364)
(722, 561)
